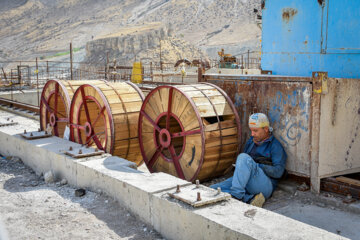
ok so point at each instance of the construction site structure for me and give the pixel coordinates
(227, 60)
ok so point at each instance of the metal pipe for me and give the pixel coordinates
(47, 69)
(37, 82)
(248, 57)
(71, 62)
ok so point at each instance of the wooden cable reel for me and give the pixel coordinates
(105, 115)
(55, 104)
(189, 131)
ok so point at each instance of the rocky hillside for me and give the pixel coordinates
(141, 42)
(187, 28)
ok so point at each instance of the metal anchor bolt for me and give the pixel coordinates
(197, 183)
(80, 152)
(39, 130)
(70, 148)
(177, 188)
(198, 196)
(31, 134)
(25, 131)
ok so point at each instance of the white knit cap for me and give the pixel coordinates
(259, 120)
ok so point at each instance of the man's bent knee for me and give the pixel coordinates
(244, 158)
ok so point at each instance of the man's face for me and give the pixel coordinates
(260, 134)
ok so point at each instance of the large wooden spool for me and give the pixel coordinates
(189, 131)
(105, 115)
(55, 104)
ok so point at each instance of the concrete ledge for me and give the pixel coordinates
(146, 195)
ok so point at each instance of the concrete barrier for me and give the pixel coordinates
(146, 195)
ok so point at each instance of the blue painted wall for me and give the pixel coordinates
(303, 36)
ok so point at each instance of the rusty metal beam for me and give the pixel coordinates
(24, 106)
(263, 77)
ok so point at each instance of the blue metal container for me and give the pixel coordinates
(305, 36)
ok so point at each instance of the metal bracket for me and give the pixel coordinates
(323, 78)
(83, 152)
(35, 135)
(8, 124)
(198, 195)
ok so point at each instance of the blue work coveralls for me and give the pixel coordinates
(250, 177)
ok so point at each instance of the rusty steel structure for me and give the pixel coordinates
(36, 73)
(306, 113)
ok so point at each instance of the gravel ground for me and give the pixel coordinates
(33, 209)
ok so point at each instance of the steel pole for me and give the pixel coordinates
(71, 62)
(37, 82)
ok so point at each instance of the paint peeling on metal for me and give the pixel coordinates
(300, 37)
(288, 14)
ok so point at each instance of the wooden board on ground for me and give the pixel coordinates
(348, 180)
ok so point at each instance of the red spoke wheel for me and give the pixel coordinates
(105, 115)
(189, 131)
(55, 104)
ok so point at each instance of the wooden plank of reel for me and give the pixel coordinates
(189, 131)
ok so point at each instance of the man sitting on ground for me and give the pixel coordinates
(259, 167)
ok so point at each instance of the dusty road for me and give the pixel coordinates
(33, 209)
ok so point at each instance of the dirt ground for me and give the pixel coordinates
(33, 209)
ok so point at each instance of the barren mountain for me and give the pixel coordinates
(193, 28)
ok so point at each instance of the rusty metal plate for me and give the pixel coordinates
(190, 195)
(287, 103)
(35, 135)
(83, 152)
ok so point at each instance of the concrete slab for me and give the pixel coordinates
(131, 187)
(229, 220)
(332, 220)
(326, 211)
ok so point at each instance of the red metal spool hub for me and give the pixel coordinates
(189, 131)
(105, 115)
(55, 104)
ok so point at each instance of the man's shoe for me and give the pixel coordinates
(258, 200)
